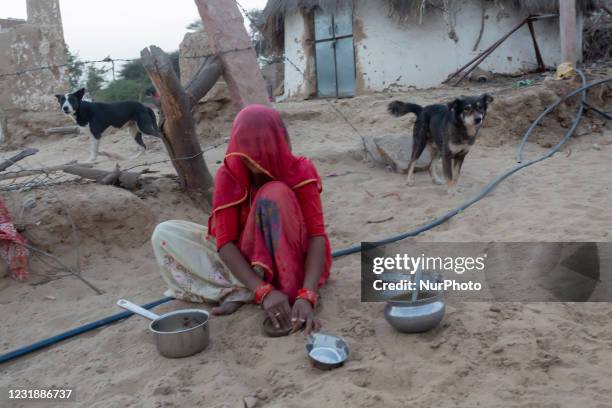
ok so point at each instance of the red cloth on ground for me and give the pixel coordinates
(259, 136)
(15, 255)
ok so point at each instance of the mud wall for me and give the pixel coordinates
(274, 75)
(193, 46)
(6, 23)
(398, 55)
(35, 43)
(214, 113)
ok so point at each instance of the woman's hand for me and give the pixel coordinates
(276, 304)
(302, 314)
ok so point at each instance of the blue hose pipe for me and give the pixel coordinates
(75, 332)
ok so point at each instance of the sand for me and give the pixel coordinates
(483, 354)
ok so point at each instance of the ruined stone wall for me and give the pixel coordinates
(6, 23)
(274, 75)
(39, 42)
(214, 113)
(192, 46)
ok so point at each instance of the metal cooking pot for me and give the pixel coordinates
(181, 333)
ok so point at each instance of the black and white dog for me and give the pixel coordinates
(448, 130)
(97, 117)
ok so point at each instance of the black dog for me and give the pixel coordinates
(448, 131)
(100, 116)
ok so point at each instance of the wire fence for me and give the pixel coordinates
(38, 177)
(110, 60)
(46, 179)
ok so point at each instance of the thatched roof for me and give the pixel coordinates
(272, 22)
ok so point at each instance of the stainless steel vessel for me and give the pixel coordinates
(421, 312)
(181, 333)
(326, 351)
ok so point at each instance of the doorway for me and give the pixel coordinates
(334, 52)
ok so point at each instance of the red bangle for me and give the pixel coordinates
(308, 295)
(261, 291)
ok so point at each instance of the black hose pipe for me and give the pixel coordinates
(356, 248)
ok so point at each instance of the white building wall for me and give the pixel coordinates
(423, 55)
(295, 50)
(393, 55)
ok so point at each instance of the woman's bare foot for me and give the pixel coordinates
(226, 308)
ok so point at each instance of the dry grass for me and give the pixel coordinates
(597, 37)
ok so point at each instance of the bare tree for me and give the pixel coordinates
(177, 124)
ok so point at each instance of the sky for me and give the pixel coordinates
(121, 28)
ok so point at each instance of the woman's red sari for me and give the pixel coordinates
(275, 221)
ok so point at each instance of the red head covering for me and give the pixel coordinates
(258, 135)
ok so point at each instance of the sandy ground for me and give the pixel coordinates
(483, 354)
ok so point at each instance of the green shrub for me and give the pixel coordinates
(122, 90)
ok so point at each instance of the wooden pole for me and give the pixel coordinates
(204, 79)
(178, 125)
(478, 60)
(19, 156)
(64, 130)
(541, 67)
(125, 179)
(568, 31)
(484, 54)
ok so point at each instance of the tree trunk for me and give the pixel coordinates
(178, 126)
(204, 79)
(125, 179)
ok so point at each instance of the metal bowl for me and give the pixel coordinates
(419, 312)
(326, 351)
(416, 316)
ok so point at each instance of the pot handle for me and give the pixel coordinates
(134, 308)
